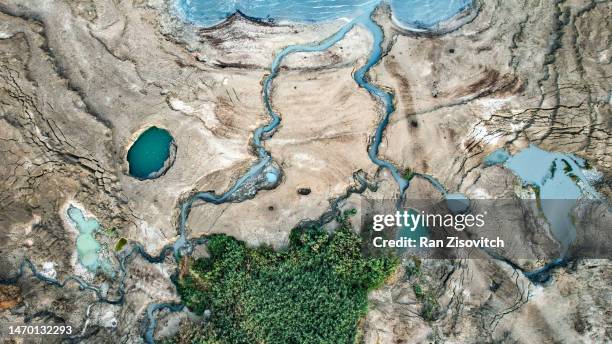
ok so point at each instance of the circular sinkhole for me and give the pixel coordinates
(152, 154)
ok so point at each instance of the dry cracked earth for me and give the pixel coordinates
(80, 79)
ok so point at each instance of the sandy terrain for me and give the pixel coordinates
(79, 80)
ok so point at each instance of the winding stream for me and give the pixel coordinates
(264, 174)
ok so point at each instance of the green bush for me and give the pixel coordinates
(120, 244)
(314, 291)
(408, 174)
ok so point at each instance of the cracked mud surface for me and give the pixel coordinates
(80, 79)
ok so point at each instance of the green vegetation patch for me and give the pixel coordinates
(408, 174)
(314, 291)
(111, 232)
(120, 244)
(430, 308)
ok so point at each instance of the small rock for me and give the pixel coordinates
(304, 191)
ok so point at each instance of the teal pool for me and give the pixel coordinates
(152, 154)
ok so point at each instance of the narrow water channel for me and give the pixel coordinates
(265, 173)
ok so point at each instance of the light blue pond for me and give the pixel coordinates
(499, 156)
(559, 182)
(422, 14)
(426, 14)
(556, 174)
(208, 13)
(87, 246)
(271, 177)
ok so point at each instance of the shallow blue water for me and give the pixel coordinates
(552, 172)
(426, 14)
(87, 246)
(421, 14)
(498, 156)
(151, 310)
(559, 182)
(385, 98)
(149, 153)
(271, 177)
(208, 13)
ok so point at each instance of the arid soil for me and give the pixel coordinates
(79, 80)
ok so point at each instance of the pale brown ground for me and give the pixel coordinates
(80, 79)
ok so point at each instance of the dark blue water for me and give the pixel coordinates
(148, 154)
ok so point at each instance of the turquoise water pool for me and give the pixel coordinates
(87, 246)
(150, 155)
(423, 14)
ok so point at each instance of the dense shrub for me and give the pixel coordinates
(314, 291)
